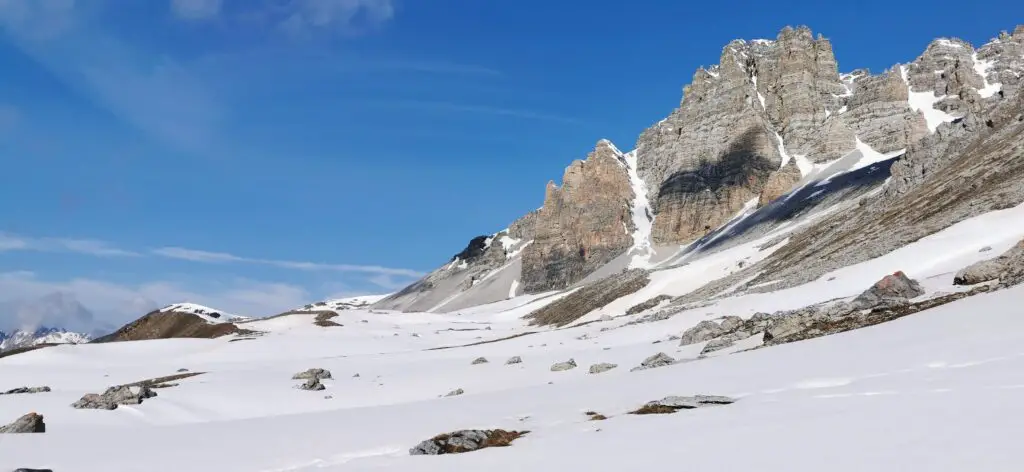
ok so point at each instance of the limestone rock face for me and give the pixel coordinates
(583, 224)
(799, 78)
(779, 183)
(879, 114)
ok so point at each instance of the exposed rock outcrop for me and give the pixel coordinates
(114, 396)
(479, 360)
(583, 224)
(171, 324)
(467, 440)
(1008, 269)
(602, 367)
(24, 390)
(589, 298)
(893, 289)
(30, 423)
(779, 183)
(312, 384)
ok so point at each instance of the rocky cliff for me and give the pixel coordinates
(748, 131)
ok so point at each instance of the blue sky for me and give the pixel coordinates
(257, 154)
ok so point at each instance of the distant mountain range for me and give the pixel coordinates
(20, 338)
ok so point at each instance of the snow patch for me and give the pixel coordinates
(641, 210)
(982, 67)
(760, 97)
(925, 102)
(209, 314)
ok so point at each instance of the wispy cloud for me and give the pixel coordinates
(115, 303)
(92, 247)
(194, 10)
(11, 242)
(195, 255)
(306, 18)
(480, 109)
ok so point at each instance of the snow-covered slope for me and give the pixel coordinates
(211, 315)
(349, 303)
(902, 394)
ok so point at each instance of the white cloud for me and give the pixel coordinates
(307, 17)
(196, 255)
(196, 9)
(116, 304)
(11, 242)
(37, 19)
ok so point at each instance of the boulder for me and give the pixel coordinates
(514, 360)
(467, 440)
(674, 403)
(704, 331)
(658, 360)
(114, 396)
(455, 393)
(30, 423)
(312, 384)
(893, 289)
(479, 360)
(314, 373)
(560, 366)
(602, 367)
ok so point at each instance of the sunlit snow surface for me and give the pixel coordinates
(936, 391)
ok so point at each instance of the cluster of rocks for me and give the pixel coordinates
(30, 423)
(24, 390)
(674, 403)
(890, 295)
(312, 379)
(466, 440)
(114, 396)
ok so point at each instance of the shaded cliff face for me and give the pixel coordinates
(583, 224)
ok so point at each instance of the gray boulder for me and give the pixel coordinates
(704, 331)
(674, 403)
(893, 289)
(602, 367)
(514, 360)
(314, 373)
(114, 396)
(22, 390)
(479, 360)
(455, 392)
(467, 440)
(30, 423)
(658, 360)
(312, 384)
(1008, 268)
(724, 342)
(561, 366)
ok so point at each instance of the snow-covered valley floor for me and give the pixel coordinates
(937, 391)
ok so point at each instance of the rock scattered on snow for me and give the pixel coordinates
(467, 440)
(21, 390)
(30, 423)
(182, 370)
(561, 366)
(114, 396)
(312, 384)
(455, 393)
(658, 360)
(602, 367)
(1008, 268)
(314, 373)
(480, 360)
(893, 289)
(514, 360)
(674, 403)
